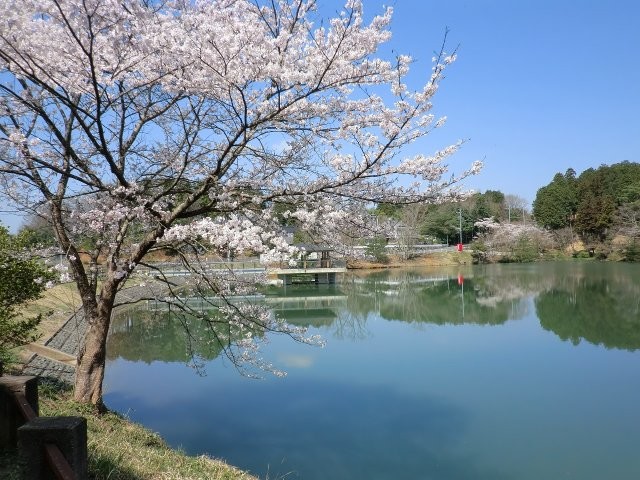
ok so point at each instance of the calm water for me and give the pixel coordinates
(496, 372)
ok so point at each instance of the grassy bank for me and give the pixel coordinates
(56, 305)
(435, 259)
(122, 450)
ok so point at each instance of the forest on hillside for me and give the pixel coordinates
(600, 206)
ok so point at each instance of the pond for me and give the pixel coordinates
(490, 372)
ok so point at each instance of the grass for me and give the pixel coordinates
(122, 450)
(432, 259)
(9, 468)
(56, 305)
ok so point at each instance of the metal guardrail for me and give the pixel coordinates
(173, 269)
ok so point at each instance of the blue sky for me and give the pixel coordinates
(538, 87)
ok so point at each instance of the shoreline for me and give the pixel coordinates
(67, 339)
(435, 259)
(68, 336)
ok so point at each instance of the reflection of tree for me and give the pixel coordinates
(143, 335)
(578, 301)
(591, 301)
(444, 303)
(600, 311)
(437, 297)
(352, 326)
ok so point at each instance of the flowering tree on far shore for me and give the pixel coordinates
(510, 241)
(135, 124)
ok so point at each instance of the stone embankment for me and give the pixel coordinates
(56, 357)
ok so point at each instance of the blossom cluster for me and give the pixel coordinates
(138, 124)
(499, 235)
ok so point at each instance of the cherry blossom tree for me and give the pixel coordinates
(141, 124)
(510, 241)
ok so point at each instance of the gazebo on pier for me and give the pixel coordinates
(314, 266)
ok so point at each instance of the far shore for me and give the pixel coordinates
(435, 259)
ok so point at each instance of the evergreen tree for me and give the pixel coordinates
(555, 204)
(21, 279)
(596, 208)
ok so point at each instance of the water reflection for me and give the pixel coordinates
(594, 308)
(414, 296)
(427, 374)
(144, 334)
(593, 302)
(577, 301)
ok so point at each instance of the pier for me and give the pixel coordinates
(315, 266)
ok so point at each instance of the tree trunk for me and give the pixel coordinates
(91, 363)
(93, 350)
(90, 366)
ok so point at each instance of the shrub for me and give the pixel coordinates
(632, 252)
(376, 249)
(21, 279)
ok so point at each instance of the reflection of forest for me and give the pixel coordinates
(437, 297)
(596, 302)
(593, 304)
(144, 335)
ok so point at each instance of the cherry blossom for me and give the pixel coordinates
(186, 125)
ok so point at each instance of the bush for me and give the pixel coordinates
(22, 279)
(376, 249)
(632, 252)
(525, 250)
(479, 251)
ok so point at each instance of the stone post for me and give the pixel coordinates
(10, 415)
(69, 434)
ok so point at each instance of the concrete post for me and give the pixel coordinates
(322, 278)
(69, 434)
(10, 416)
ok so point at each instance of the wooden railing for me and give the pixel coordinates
(48, 447)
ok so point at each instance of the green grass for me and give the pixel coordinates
(56, 305)
(122, 450)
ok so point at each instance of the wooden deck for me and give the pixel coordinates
(298, 271)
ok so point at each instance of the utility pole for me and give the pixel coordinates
(460, 223)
